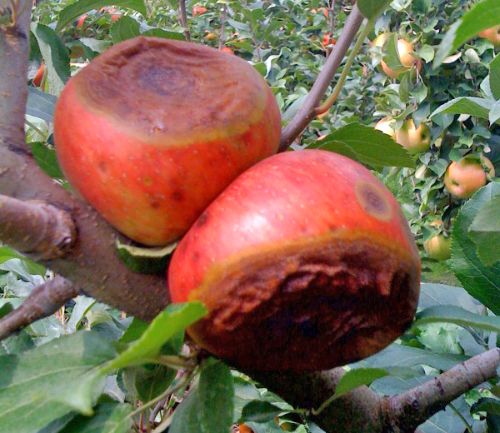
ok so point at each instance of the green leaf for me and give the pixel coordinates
(160, 33)
(494, 113)
(145, 260)
(125, 28)
(74, 10)
(186, 416)
(40, 104)
(480, 280)
(458, 316)
(134, 331)
(485, 232)
(372, 8)
(46, 158)
(108, 418)
(483, 15)
(166, 325)
(357, 377)
(55, 55)
(478, 107)
(391, 57)
(259, 411)
(494, 77)
(216, 397)
(489, 405)
(366, 145)
(51, 380)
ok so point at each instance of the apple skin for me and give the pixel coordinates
(305, 262)
(438, 247)
(385, 125)
(463, 178)
(37, 79)
(414, 140)
(492, 34)
(151, 131)
(406, 57)
(199, 10)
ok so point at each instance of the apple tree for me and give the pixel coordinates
(89, 338)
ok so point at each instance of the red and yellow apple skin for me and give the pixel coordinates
(463, 178)
(413, 139)
(305, 262)
(151, 131)
(492, 34)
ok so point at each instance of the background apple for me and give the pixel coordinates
(463, 178)
(405, 52)
(413, 139)
(386, 125)
(438, 247)
(492, 34)
(304, 250)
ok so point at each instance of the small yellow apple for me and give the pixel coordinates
(465, 177)
(492, 34)
(438, 247)
(405, 53)
(413, 139)
(386, 125)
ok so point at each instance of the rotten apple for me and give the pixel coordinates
(151, 131)
(305, 262)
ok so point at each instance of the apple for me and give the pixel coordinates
(199, 10)
(386, 125)
(38, 78)
(413, 139)
(210, 36)
(243, 428)
(227, 50)
(81, 21)
(438, 247)
(492, 34)
(304, 262)
(463, 178)
(152, 130)
(405, 53)
(328, 40)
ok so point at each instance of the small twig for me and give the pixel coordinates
(36, 228)
(43, 301)
(222, 36)
(323, 108)
(154, 413)
(307, 111)
(183, 19)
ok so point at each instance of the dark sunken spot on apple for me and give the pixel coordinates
(345, 299)
(177, 196)
(202, 219)
(372, 200)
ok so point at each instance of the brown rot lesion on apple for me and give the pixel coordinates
(373, 201)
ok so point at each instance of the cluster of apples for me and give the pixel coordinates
(175, 141)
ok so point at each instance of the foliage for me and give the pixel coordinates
(103, 372)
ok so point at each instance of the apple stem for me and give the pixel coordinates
(323, 108)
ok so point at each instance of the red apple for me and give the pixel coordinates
(413, 139)
(151, 131)
(492, 34)
(463, 178)
(405, 53)
(199, 10)
(227, 50)
(305, 262)
(37, 79)
(81, 21)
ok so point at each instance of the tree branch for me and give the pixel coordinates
(43, 301)
(407, 411)
(307, 111)
(36, 228)
(183, 19)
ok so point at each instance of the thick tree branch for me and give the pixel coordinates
(307, 111)
(43, 301)
(407, 411)
(36, 228)
(92, 265)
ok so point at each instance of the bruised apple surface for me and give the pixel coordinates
(305, 262)
(152, 130)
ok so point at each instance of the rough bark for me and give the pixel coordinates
(43, 301)
(36, 228)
